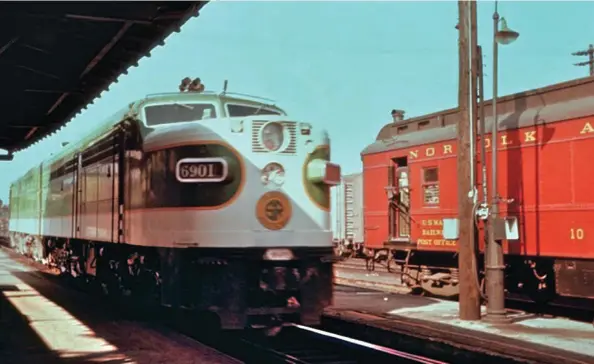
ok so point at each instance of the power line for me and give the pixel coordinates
(590, 53)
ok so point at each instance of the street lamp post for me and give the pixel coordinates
(495, 267)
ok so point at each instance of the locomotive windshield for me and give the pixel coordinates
(245, 110)
(175, 113)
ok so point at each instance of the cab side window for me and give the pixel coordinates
(430, 185)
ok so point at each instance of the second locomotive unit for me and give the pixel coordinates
(210, 202)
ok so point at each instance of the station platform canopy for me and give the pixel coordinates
(55, 58)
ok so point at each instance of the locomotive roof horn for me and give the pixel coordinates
(189, 85)
(196, 85)
(183, 86)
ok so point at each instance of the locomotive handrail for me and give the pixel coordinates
(210, 93)
(248, 95)
(214, 93)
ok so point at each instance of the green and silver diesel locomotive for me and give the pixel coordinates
(211, 202)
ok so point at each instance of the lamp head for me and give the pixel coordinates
(505, 35)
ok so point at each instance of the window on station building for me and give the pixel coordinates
(430, 186)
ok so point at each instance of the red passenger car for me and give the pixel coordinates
(546, 176)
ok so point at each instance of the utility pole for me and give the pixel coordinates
(590, 61)
(469, 301)
(474, 94)
(472, 54)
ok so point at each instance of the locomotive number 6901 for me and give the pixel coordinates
(193, 170)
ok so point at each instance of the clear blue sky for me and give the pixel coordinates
(342, 65)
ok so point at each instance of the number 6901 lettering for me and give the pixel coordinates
(191, 170)
(197, 171)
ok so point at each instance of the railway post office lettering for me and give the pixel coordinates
(523, 138)
(431, 232)
(433, 228)
(436, 242)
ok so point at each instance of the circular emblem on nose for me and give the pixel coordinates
(273, 210)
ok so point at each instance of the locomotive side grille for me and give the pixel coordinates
(257, 147)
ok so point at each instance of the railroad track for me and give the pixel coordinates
(366, 265)
(305, 345)
(294, 344)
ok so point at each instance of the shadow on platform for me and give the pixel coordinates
(19, 343)
(31, 332)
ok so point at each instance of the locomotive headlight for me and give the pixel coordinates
(278, 254)
(273, 173)
(272, 136)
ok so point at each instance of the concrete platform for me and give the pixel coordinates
(42, 322)
(380, 317)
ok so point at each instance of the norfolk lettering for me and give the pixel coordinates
(510, 138)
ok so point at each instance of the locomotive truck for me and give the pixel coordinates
(196, 200)
(544, 144)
